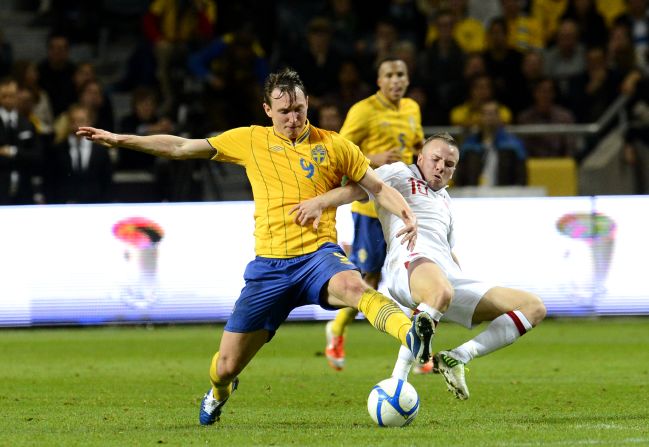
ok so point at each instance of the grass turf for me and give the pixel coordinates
(569, 382)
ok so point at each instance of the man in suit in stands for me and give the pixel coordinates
(79, 171)
(20, 151)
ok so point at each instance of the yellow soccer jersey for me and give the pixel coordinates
(376, 126)
(283, 174)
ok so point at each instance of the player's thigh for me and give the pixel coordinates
(499, 300)
(426, 280)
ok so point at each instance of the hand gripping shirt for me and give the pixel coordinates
(282, 174)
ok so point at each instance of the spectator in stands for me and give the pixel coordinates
(546, 111)
(636, 138)
(26, 74)
(637, 21)
(144, 119)
(345, 24)
(318, 61)
(593, 92)
(232, 68)
(20, 150)
(523, 32)
(83, 73)
(56, 72)
(6, 56)
(329, 117)
(592, 26)
(503, 63)
(78, 170)
(485, 12)
(548, 14)
(351, 87)
(93, 96)
(440, 69)
(468, 32)
(567, 58)
(620, 52)
(532, 72)
(376, 47)
(409, 22)
(469, 114)
(492, 156)
(174, 29)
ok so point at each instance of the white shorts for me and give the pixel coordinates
(468, 292)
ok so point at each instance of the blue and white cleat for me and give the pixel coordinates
(211, 408)
(420, 337)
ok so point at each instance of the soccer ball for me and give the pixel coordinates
(393, 403)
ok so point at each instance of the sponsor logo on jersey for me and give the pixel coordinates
(276, 148)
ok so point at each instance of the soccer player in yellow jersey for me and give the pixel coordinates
(287, 163)
(387, 128)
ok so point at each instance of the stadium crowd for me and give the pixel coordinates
(198, 66)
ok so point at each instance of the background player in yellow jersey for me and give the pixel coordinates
(286, 163)
(387, 128)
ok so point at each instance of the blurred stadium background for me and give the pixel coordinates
(194, 68)
(151, 241)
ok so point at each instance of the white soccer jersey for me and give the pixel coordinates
(435, 240)
(433, 210)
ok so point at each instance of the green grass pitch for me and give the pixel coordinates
(567, 383)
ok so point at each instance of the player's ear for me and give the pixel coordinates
(267, 109)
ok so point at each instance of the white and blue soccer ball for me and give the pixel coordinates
(393, 403)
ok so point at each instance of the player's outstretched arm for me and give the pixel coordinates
(167, 146)
(390, 199)
(310, 210)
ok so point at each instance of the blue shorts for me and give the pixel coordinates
(274, 287)
(368, 248)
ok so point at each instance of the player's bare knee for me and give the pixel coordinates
(348, 287)
(227, 368)
(535, 310)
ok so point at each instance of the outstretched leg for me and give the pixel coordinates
(512, 313)
(235, 352)
(348, 289)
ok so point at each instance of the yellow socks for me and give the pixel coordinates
(220, 390)
(384, 314)
(343, 318)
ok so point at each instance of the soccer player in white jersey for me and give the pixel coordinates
(429, 276)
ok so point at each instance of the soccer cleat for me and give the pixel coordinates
(211, 408)
(335, 350)
(420, 337)
(453, 372)
(426, 368)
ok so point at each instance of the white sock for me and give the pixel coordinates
(501, 332)
(434, 313)
(404, 362)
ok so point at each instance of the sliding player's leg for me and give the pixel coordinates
(511, 312)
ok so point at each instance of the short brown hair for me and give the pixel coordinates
(444, 136)
(286, 81)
